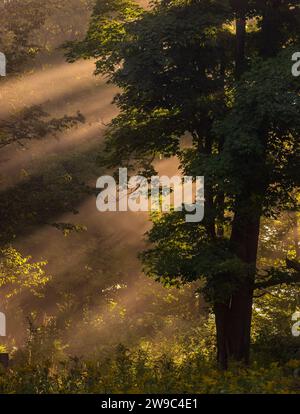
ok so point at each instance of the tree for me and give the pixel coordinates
(18, 21)
(28, 27)
(219, 72)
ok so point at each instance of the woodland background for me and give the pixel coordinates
(82, 315)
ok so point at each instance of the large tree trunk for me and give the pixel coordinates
(233, 322)
(233, 317)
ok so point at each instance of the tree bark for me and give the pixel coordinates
(233, 318)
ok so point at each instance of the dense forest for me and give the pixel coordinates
(135, 302)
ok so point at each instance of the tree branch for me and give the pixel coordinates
(282, 277)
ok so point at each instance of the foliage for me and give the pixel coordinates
(34, 124)
(141, 370)
(20, 273)
(28, 27)
(18, 20)
(175, 66)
